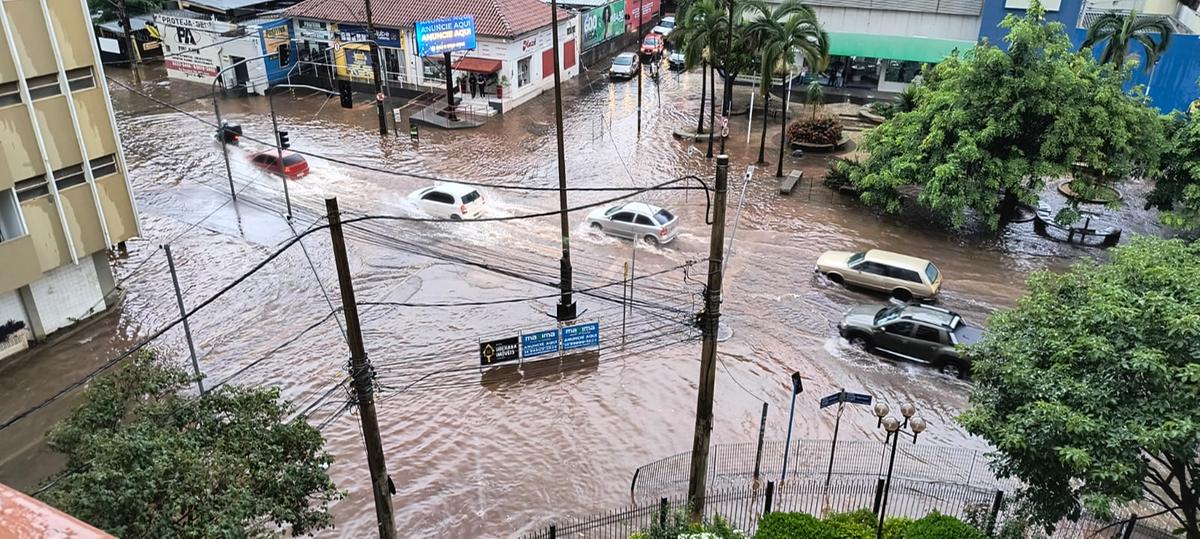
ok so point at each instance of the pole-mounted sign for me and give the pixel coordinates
(499, 351)
(445, 35)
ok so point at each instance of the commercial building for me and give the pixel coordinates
(610, 26)
(512, 61)
(880, 45)
(65, 197)
(197, 47)
(1172, 83)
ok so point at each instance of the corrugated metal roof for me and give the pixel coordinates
(496, 18)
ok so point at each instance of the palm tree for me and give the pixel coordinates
(1121, 31)
(699, 29)
(779, 33)
(815, 96)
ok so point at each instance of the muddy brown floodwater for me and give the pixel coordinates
(502, 454)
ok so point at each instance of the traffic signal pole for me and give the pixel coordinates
(709, 323)
(279, 153)
(362, 376)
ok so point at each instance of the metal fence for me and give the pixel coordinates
(743, 506)
(733, 465)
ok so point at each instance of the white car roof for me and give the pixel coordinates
(627, 55)
(454, 189)
(668, 19)
(641, 207)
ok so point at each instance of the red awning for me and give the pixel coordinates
(477, 65)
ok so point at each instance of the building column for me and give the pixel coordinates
(35, 320)
(104, 276)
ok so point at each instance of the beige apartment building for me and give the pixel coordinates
(65, 199)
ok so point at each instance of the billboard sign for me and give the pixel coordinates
(539, 343)
(384, 37)
(194, 46)
(603, 23)
(581, 336)
(498, 351)
(445, 35)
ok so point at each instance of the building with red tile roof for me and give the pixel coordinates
(494, 18)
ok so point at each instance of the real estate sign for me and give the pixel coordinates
(445, 35)
(602, 23)
(192, 46)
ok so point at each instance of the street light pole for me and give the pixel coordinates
(894, 428)
(639, 53)
(566, 305)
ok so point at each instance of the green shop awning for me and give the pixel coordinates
(914, 49)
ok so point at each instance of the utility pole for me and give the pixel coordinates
(383, 129)
(187, 328)
(640, 69)
(566, 305)
(709, 322)
(363, 379)
(450, 108)
(287, 197)
(135, 55)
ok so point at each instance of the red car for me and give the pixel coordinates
(652, 45)
(294, 166)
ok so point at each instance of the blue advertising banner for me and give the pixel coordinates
(445, 35)
(539, 343)
(581, 336)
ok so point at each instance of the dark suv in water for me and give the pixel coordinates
(915, 332)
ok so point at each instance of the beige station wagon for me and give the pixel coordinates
(904, 277)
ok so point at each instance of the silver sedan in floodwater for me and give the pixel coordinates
(636, 220)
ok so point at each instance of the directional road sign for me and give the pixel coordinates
(845, 396)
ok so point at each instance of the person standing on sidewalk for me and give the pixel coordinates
(474, 86)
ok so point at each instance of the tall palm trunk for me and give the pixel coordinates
(762, 143)
(712, 110)
(703, 92)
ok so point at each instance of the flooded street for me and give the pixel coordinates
(504, 453)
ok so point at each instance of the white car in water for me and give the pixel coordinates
(635, 220)
(449, 201)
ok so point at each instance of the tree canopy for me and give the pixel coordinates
(1120, 31)
(1177, 186)
(1089, 388)
(992, 125)
(145, 460)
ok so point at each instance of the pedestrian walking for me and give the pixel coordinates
(474, 86)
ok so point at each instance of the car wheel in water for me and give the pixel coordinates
(652, 240)
(953, 369)
(455, 217)
(837, 279)
(902, 295)
(860, 343)
(596, 227)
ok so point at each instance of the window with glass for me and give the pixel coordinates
(523, 73)
(10, 93)
(10, 221)
(433, 70)
(103, 166)
(80, 79)
(901, 71)
(928, 334)
(43, 86)
(31, 188)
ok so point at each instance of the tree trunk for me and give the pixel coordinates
(782, 135)
(712, 110)
(1008, 210)
(727, 101)
(703, 92)
(762, 143)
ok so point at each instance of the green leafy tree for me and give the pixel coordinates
(700, 28)
(146, 460)
(1177, 185)
(1119, 32)
(1089, 389)
(815, 97)
(779, 32)
(991, 125)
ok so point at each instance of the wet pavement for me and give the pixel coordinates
(493, 455)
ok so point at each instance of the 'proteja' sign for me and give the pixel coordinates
(445, 35)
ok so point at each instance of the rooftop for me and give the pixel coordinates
(495, 18)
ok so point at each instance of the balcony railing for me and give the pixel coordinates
(1182, 18)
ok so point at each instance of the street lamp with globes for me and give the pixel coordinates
(895, 427)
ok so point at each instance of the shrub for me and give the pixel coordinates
(895, 527)
(938, 526)
(822, 130)
(853, 525)
(837, 175)
(793, 526)
(883, 108)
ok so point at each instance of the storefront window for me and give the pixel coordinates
(852, 72)
(433, 70)
(391, 64)
(905, 72)
(523, 75)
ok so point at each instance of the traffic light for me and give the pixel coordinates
(229, 133)
(283, 139)
(347, 94)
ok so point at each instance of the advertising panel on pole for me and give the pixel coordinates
(445, 35)
(603, 23)
(539, 343)
(499, 351)
(581, 336)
